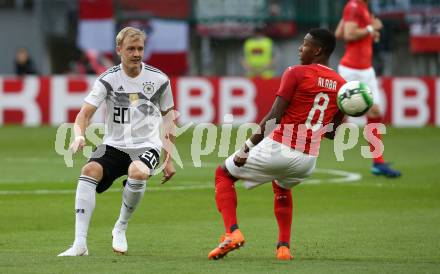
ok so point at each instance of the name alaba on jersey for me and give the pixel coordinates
(311, 91)
(133, 106)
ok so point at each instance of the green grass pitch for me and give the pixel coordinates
(373, 225)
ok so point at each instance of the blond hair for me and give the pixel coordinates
(129, 32)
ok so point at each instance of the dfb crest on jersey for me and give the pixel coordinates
(148, 88)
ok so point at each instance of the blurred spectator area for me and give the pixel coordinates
(216, 30)
(174, 9)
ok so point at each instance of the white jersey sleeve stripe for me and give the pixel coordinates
(97, 95)
(166, 98)
(107, 86)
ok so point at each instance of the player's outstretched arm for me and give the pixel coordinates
(267, 125)
(82, 121)
(168, 143)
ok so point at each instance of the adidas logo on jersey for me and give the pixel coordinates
(120, 88)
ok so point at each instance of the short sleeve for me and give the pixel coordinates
(289, 83)
(351, 12)
(166, 99)
(97, 95)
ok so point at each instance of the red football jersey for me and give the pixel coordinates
(358, 54)
(311, 91)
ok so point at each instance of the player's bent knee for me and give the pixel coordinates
(138, 171)
(277, 189)
(93, 169)
(222, 171)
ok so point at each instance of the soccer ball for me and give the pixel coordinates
(355, 98)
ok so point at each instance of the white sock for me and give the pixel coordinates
(131, 196)
(84, 206)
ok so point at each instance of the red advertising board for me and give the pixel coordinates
(424, 31)
(33, 101)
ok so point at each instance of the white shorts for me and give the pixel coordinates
(367, 76)
(270, 160)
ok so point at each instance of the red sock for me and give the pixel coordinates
(226, 198)
(283, 208)
(378, 159)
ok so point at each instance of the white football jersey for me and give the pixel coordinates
(134, 106)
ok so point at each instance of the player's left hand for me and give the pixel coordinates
(376, 36)
(168, 172)
(377, 23)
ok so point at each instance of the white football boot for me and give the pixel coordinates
(119, 243)
(75, 251)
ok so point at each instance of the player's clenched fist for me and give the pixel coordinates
(77, 144)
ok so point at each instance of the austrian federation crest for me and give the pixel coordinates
(148, 88)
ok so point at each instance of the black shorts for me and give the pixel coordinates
(115, 163)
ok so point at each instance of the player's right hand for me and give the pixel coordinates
(239, 161)
(168, 172)
(77, 144)
(241, 157)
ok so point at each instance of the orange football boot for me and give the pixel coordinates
(228, 243)
(283, 253)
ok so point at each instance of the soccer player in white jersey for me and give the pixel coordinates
(138, 99)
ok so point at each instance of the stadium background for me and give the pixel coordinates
(345, 219)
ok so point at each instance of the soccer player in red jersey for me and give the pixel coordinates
(305, 109)
(358, 28)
